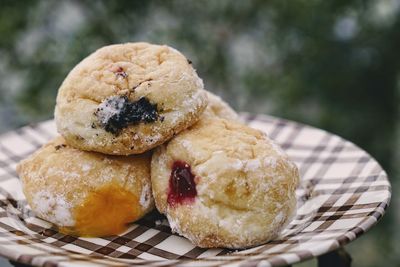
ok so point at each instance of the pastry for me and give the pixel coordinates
(86, 193)
(218, 107)
(128, 98)
(224, 184)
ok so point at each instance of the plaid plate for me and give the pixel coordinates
(343, 193)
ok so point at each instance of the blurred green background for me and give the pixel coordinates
(331, 64)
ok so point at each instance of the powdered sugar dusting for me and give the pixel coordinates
(270, 162)
(279, 218)
(186, 144)
(53, 171)
(172, 224)
(237, 164)
(195, 101)
(145, 197)
(252, 165)
(53, 208)
(86, 167)
(109, 108)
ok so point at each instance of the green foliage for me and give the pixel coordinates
(332, 64)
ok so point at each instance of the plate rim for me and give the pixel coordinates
(365, 224)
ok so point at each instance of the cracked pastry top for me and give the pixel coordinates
(223, 184)
(128, 98)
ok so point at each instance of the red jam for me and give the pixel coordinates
(182, 187)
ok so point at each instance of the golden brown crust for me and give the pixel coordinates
(245, 184)
(135, 70)
(57, 179)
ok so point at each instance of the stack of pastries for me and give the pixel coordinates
(138, 130)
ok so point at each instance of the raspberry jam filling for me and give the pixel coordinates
(182, 187)
(118, 112)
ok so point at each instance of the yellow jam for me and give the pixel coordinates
(106, 211)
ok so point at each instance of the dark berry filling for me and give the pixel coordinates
(118, 112)
(121, 73)
(182, 187)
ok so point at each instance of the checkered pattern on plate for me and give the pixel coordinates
(343, 193)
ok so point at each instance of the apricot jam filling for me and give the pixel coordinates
(106, 211)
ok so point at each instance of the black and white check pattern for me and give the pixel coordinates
(343, 193)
